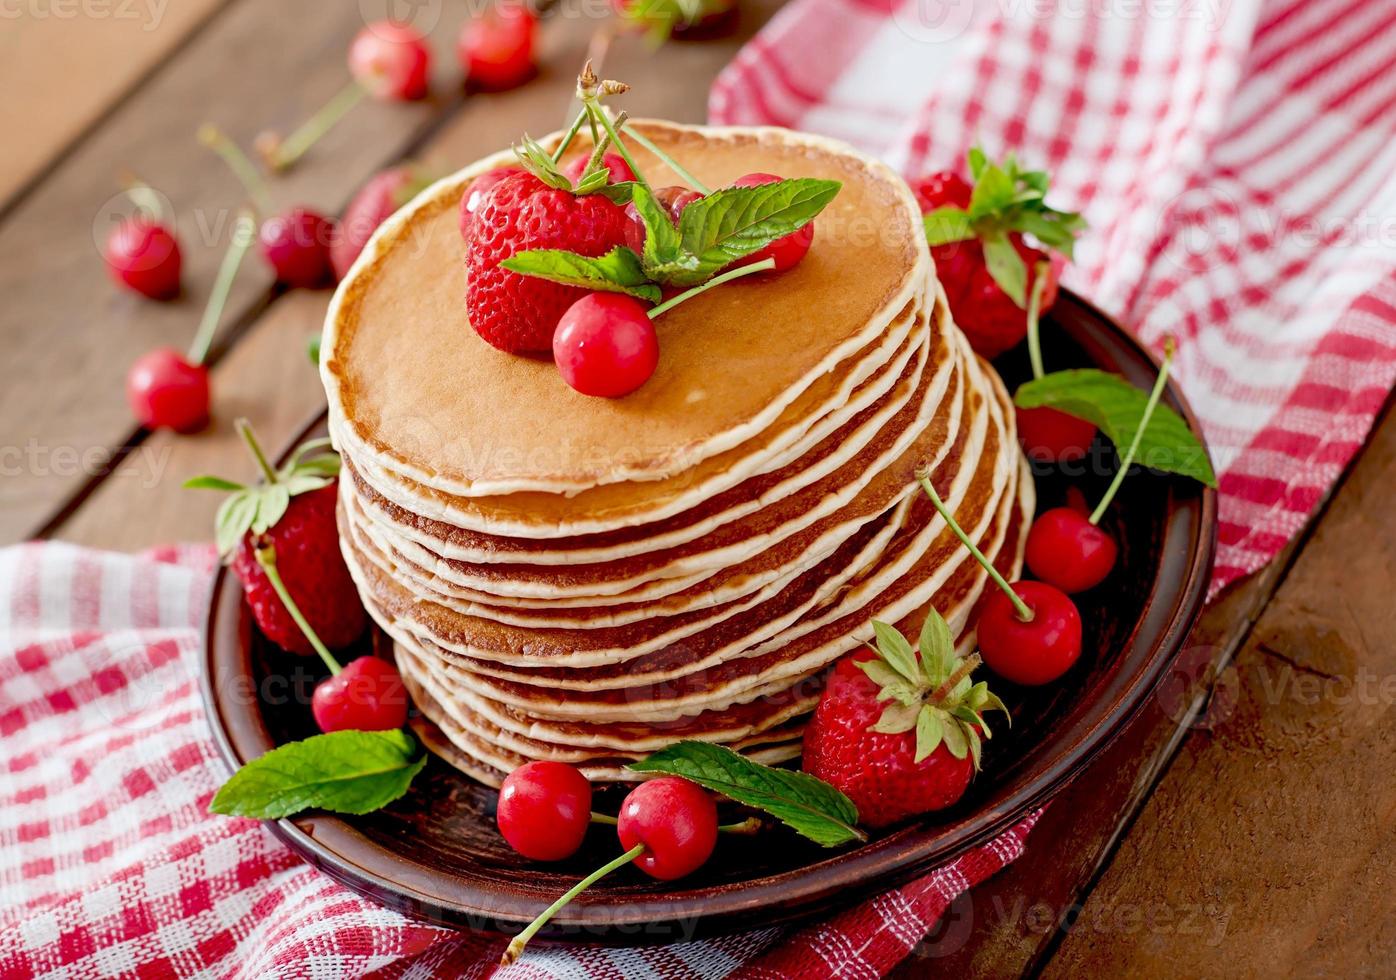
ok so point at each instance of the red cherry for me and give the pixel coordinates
(1066, 550)
(296, 245)
(544, 810)
(496, 49)
(605, 345)
(366, 696)
(143, 255)
(676, 821)
(787, 251)
(475, 194)
(615, 163)
(165, 391)
(390, 61)
(674, 199)
(1033, 652)
(1051, 436)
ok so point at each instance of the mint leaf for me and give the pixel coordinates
(734, 222)
(1116, 406)
(346, 772)
(1006, 266)
(946, 225)
(800, 801)
(661, 237)
(618, 271)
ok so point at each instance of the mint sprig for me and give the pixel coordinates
(346, 772)
(1005, 199)
(808, 805)
(618, 271)
(1117, 407)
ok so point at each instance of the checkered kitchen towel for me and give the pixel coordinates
(110, 864)
(1236, 160)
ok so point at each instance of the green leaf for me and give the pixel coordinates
(734, 222)
(977, 161)
(539, 162)
(1006, 266)
(346, 772)
(946, 225)
(929, 732)
(619, 193)
(894, 648)
(1054, 229)
(234, 519)
(937, 648)
(211, 483)
(1117, 407)
(897, 718)
(661, 237)
(618, 271)
(993, 191)
(808, 805)
(312, 349)
(304, 483)
(955, 739)
(272, 502)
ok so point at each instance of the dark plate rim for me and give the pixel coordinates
(845, 876)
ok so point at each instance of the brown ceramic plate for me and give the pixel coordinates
(436, 854)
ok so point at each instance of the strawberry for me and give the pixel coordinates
(474, 196)
(384, 193)
(976, 235)
(286, 525)
(518, 313)
(900, 734)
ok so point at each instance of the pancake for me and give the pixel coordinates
(588, 580)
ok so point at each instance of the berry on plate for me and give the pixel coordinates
(976, 230)
(518, 313)
(367, 695)
(282, 540)
(544, 810)
(899, 732)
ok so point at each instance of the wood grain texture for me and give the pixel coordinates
(64, 64)
(70, 335)
(267, 377)
(1268, 844)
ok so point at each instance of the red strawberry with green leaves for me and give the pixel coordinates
(291, 515)
(899, 733)
(976, 231)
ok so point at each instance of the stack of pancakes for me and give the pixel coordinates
(588, 580)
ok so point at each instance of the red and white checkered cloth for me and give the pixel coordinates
(110, 864)
(1236, 160)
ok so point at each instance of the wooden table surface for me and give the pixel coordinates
(1243, 824)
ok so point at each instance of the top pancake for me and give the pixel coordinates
(412, 388)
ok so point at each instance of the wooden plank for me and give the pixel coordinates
(72, 62)
(1006, 927)
(267, 378)
(1267, 845)
(71, 335)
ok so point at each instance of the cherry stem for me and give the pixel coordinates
(599, 111)
(308, 133)
(243, 232)
(1127, 459)
(966, 668)
(571, 134)
(728, 276)
(1039, 285)
(266, 557)
(516, 946)
(603, 818)
(1024, 611)
(145, 199)
(668, 161)
(244, 430)
(215, 139)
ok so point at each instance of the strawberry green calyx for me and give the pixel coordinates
(1005, 199)
(257, 508)
(932, 694)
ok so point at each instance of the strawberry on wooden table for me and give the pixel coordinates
(976, 231)
(900, 733)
